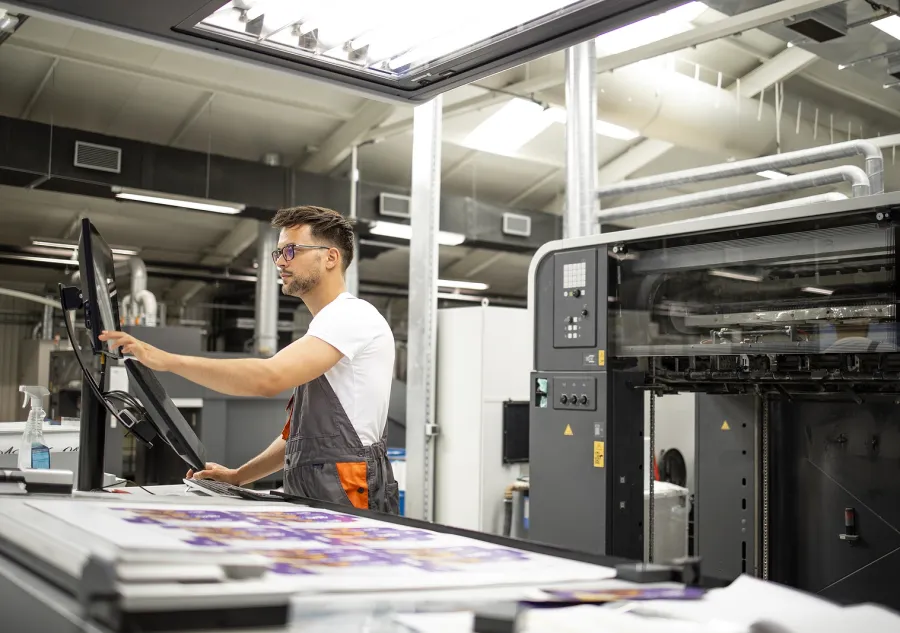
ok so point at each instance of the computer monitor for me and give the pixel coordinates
(165, 416)
(98, 287)
(516, 431)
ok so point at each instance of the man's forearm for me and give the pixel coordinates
(232, 376)
(269, 461)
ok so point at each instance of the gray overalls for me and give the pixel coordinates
(324, 458)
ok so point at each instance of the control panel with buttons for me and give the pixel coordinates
(575, 393)
(575, 300)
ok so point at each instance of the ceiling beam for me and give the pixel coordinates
(490, 98)
(144, 72)
(466, 159)
(26, 111)
(241, 237)
(336, 147)
(785, 64)
(196, 111)
(530, 189)
(854, 86)
(717, 30)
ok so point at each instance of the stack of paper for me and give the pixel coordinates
(305, 548)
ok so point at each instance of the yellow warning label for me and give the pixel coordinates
(568, 430)
(598, 454)
(725, 426)
(601, 357)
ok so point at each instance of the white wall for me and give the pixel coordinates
(675, 427)
(484, 359)
(11, 336)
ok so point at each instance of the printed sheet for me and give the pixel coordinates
(320, 549)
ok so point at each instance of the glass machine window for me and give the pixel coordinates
(768, 302)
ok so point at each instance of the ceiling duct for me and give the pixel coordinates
(821, 26)
(173, 176)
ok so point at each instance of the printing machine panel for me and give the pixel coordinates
(783, 322)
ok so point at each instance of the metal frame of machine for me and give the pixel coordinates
(789, 432)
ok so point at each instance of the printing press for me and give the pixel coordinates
(783, 323)
(760, 314)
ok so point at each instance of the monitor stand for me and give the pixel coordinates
(91, 440)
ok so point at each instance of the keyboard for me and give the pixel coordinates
(222, 489)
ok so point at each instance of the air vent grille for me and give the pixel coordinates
(98, 157)
(393, 205)
(515, 224)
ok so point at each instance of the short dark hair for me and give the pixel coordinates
(325, 224)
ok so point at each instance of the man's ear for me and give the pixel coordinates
(334, 258)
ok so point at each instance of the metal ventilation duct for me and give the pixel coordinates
(821, 26)
(25, 148)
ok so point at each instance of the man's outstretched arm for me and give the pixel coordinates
(297, 364)
(269, 461)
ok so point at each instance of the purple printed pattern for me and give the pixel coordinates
(162, 517)
(449, 559)
(341, 536)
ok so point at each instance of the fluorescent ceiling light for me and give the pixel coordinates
(391, 39)
(601, 127)
(462, 285)
(183, 202)
(513, 125)
(73, 246)
(649, 30)
(733, 275)
(889, 25)
(404, 232)
(818, 291)
(772, 174)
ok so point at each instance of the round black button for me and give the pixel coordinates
(574, 399)
(563, 399)
(584, 313)
(576, 293)
(583, 399)
(360, 490)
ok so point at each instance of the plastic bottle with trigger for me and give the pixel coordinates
(34, 453)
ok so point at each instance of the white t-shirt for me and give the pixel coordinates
(362, 378)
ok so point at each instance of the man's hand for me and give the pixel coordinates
(152, 357)
(216, 472)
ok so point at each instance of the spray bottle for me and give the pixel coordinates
(34, 453)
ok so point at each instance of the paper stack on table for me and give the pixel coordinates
(748, 605)
(309, 549)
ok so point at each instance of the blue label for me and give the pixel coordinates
(40, 457)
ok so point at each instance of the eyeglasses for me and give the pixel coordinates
(289, 250)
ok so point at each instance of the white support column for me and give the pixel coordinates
(423, 265)
(266, 292)
(352, 274)
(581, 142)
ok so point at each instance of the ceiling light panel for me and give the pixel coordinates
(649, 30)
(889, 25)
(511, 127)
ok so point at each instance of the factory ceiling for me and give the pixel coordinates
(698, 106)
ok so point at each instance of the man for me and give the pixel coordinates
(333, 445)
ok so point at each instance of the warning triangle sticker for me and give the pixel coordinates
(725, 426)
(568, 430)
